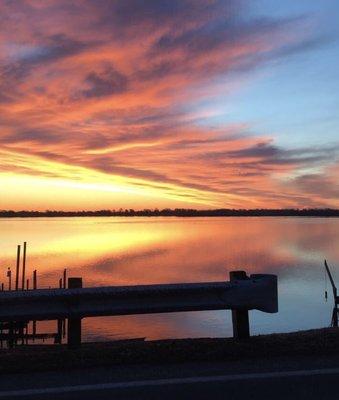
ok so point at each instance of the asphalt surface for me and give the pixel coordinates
(281, 378)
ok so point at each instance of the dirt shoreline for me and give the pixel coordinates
(318, 342)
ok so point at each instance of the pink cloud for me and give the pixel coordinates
(109, 86)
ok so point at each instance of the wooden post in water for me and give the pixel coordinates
(64, 278)
(27, 332)
(34, 329)
(24, 266)
(74, 324)
(9, 276)
(60, 322)
(17, 271)
(62, 284)
(35, 282)
(58, 338)
(241, 327)
(10, 335)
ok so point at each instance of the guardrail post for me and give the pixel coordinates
(241, 327)
(74, 324)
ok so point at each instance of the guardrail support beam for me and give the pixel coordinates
(74, 324)
(240, 321)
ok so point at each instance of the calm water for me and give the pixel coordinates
(121, 251)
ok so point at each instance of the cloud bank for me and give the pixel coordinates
(107, 91)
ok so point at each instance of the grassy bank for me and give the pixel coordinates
(55, 357)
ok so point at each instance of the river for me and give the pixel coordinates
(124, 251)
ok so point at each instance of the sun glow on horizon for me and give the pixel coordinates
(75, 187)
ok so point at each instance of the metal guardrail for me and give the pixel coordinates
(241, 294)
(258, 292)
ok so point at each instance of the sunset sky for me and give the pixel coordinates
(176, 103)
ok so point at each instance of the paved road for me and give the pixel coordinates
(300, 378)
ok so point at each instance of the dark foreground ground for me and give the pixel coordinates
(302, 365)
(319, 342)
(301, 377)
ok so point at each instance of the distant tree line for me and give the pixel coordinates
(178, 212)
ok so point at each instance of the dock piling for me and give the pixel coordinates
(9, 276)
(35, 282)
(17, 271)
(24, 266)
(64, 278)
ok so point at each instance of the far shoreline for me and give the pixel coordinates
(178, 212)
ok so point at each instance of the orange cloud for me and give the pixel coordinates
(99, 97)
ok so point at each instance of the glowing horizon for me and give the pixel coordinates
(180, 103)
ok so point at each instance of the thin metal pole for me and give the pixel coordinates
(27, 284)
(17, 268)
(24, 266)
(334, 288)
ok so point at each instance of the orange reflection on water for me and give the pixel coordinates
(122, 251)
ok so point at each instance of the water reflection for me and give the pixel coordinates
(121, 251)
